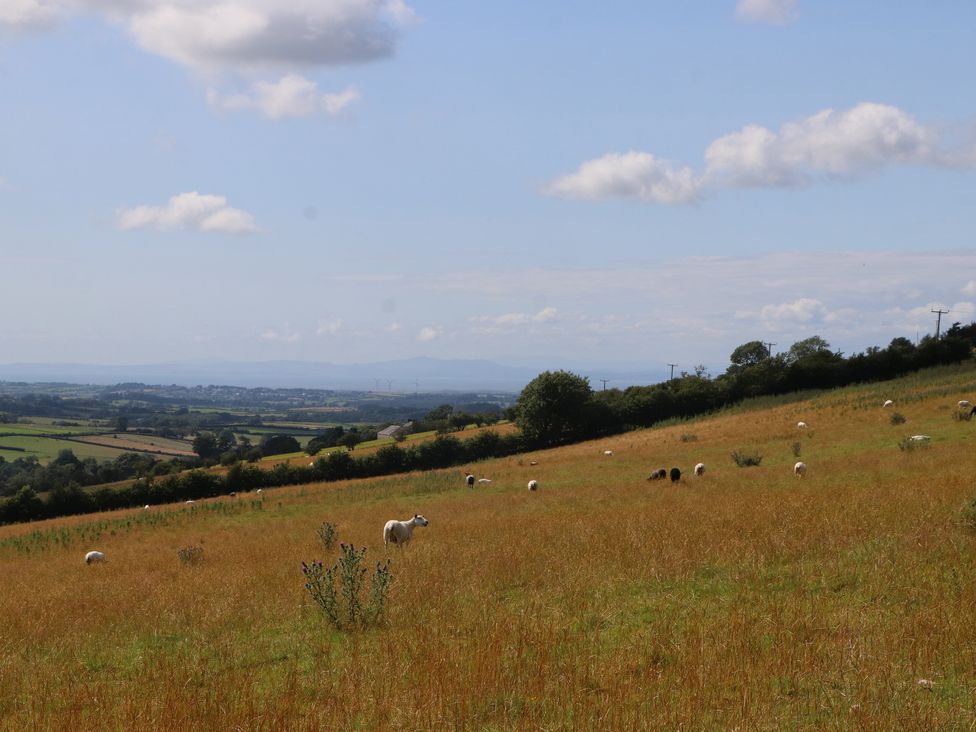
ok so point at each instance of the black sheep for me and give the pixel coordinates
(675, 475)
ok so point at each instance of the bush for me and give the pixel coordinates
(897, 418)
(327, 533)
(745, 460)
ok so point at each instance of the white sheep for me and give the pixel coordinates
(533, 485)
(400, 532)
(964, 404)
(800, 469)
(469, 479)
(920, 438)
(484, 481)
(93, 557)
(801, 425)
(700, 469)
(189, 502)
(533, 462)
(259, 490)
(888, 403)
(146, 507)
(608, 452)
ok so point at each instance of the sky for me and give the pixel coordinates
(532, 183)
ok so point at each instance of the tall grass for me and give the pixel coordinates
(743, 599)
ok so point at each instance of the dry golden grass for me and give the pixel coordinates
(746, 598)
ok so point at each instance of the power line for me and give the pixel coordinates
(938, 321)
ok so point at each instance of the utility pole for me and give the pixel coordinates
(672, 365)
(938, 321)
(604, 383)
(769, 348)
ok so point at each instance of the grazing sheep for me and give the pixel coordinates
(93, 557)
(233, 494)
(533, 485)
(675, 475)
(469, 479)
(801, 425)
(608, 452)
(484, 481)
(533, 462)
(189, 502)
(259, 490)
(700, 469)
(964, 404)
(800, 469)
(920, 438)
(888, 403)
(400, 532)
(659, 474)
(146, 507)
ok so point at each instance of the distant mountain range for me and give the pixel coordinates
(405, 375)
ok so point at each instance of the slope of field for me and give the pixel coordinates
(746, 598)
(152, 444)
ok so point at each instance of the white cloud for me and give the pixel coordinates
(329, 327)
(969, 288)
(804, 310)
(830, 144)
(27, 14)
(636, 175)
(508, 321)
(775, 12)
(192, 211)
(220, 35)
(284, 335)
(291, 96)
(429, 333)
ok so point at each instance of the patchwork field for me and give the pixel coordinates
(746, 598)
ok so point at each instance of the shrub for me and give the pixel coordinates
(343, 605)
(796, 449)
(745, 460)
(190, 554)
(327, 533)
(897, 418)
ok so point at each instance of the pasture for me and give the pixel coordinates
(745, 598)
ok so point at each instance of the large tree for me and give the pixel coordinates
(554, 407)
(748, 354)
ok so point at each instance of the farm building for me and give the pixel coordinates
(395, 430)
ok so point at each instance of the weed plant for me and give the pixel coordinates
(328, 534)
(746, 459)
(338, 590)
(190, 554)
(897, 418)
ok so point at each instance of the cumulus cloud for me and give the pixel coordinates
(774, 12)
(291, 96)
(636, 175)
(830, 144)
(193, 211)
(429, 333)
(27, 14)
(804, 310)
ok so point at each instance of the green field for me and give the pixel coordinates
(46, 449)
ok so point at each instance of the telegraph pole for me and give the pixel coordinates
(938, 321)
(769, 348)
(672, 365)
(604, 383)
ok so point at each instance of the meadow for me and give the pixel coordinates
(746, 598)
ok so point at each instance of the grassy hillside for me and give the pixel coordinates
(745, 598)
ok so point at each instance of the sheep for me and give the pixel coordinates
(400, 532)
(146, 507)
(469, 479)
(484, 481)
(658, 474)
(920, 438)
(964, 404)
(189, 502)
(800, 469)
(801, 425)
(259, 490)
(675, 475)
(533, 462)
(888, 403)
(608, 453)
(93, 557)
(533, 485)
(700, 469)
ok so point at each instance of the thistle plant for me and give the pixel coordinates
(190, 554)
(338, 590)
(327, 533)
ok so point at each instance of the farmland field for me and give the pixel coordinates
(46, 449)
(137, 442)
(746, 598)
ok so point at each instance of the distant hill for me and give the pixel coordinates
(406, 375)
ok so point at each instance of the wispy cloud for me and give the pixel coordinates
(192, 211)
(280, 335)
(27, 14)
(329, 327)
(774, 12)
(509, 321)
(829, 145)
(291, 96)
(429, 333)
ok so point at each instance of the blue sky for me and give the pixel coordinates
(546, 182)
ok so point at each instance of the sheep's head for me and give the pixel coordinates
(420, 520)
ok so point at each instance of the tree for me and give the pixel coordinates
(808, 348)
(552, 408)
(748, 354)
(205, 445)
(279, 445)
(121, 423)
(350, 439)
